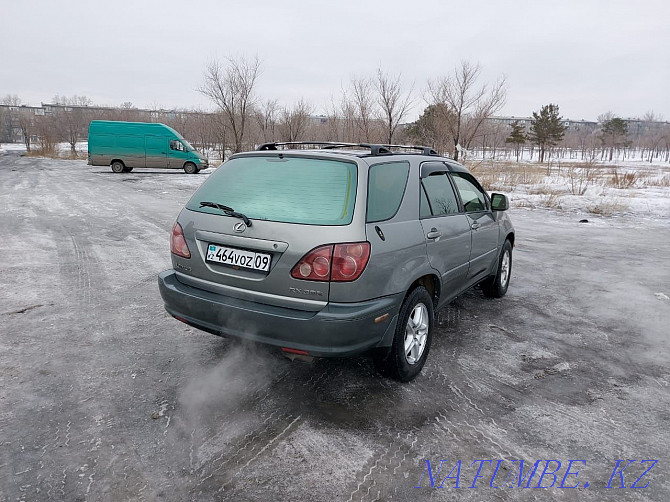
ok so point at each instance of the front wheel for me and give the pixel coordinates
(189, 168)
(496, 286)
(413, 335)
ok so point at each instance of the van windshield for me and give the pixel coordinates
(189, 147)
(288, 190)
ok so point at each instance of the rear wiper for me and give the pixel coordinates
(227, 210)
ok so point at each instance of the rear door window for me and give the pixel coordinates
(386, 187)
(440, 195)
(288, 190)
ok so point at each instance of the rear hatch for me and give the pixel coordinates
(292, 203)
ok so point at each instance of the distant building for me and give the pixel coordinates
(570, 125)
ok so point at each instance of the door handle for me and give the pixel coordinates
(475, 226)
(433, 234)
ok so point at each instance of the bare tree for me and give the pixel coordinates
(74, 119)
(362, 103)
(468, 103)
(655, 132)
(220, 125)
(5, 125)
(348, 118)
(294, 121)
(22, 117)
(231, 88)
(200, 126)
(492, 138)
(333, 121)
(8, 119)
(47, 131)
(394, 104)
(266, 119)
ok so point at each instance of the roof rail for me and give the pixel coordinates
(375, 149)
(322, 144)
(425, 150)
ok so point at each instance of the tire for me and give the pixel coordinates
(189, 168)
(496, 286)
(118, 167)
(412, 338)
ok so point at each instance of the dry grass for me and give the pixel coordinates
(551, 200)
(508, 175)
(623, 181)
(547, 185)
(608, 206)
(580, 178)
(51, 152)
(55, 153)
(504, 175)
(657, 182)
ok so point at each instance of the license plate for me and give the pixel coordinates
(238, 257)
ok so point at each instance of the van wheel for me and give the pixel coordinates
(189, 168)
(118, 167)
(496, 286)
(412, 339)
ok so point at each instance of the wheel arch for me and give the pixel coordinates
(429, 281)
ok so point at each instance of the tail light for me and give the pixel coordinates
(349, 261)
(178, 244)
(333, 262)
(315, 265)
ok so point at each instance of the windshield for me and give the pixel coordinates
(289, 190)
(189, 147)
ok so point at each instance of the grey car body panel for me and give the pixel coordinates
(403, 243)
(336, 330)
(485, 243)
(449, 253)
(278, 283)
(330, 318)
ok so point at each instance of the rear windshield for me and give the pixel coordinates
(288, 190)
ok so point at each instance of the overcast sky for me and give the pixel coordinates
(587, 56)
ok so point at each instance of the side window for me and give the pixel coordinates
(386, 186)
(424, 206)
(440, 194)
(176, 145)
(472, 195)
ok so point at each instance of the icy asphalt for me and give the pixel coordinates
(103, 396)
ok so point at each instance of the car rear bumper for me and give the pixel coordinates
(339, 329)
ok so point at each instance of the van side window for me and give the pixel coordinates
(176, 145)
(440, 194)
(386, 186)
(472, 195)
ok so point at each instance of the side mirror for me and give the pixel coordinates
(499, 202)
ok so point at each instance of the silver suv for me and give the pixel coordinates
(336, 250)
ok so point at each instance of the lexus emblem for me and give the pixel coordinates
(239, 227)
